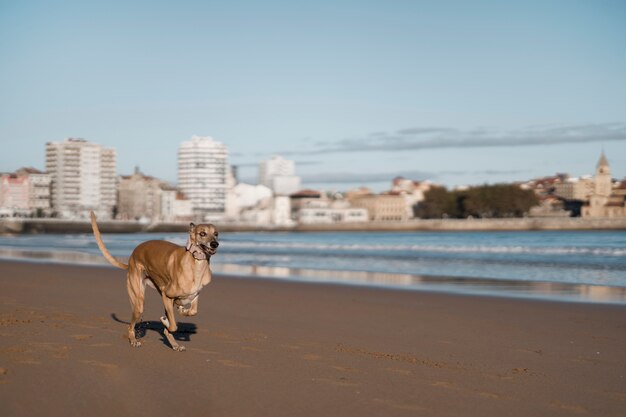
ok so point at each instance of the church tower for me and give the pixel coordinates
(603, 177)
(605, 201)
(602, 190)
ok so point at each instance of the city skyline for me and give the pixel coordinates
(356, 93)
(81, 176)
(354, 181)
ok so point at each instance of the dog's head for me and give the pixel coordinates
(205, 237)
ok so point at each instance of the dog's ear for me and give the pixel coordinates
(191, 227)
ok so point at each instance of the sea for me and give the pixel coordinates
(571, 266)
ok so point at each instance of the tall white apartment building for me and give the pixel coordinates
(83, 178)
(203, 173)
(278, 174)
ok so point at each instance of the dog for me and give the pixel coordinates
(177, 273)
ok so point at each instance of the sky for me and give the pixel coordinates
(356, 92)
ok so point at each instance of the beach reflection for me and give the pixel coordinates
(66, 257)
(477, 286)
(469, 285)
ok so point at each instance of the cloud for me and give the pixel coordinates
(256, 164)
(441, 137)
(247, 165)
(307, 163)
(377, 177)
(485, 172)
(363, 178)
(421, 131)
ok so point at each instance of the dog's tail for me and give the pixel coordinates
(103, 249)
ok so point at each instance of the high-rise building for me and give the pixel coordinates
(278, 174)
(83, 178)
(203, 173)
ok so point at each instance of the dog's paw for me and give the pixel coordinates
(179, 348)
(135, 343)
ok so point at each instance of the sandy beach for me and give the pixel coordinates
(276, 348)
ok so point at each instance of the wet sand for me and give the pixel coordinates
(275, 348)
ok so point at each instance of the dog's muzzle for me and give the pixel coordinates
(212, 248)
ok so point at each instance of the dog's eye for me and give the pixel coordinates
(215, 234)
(202, 234)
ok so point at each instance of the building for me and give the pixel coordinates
(305, 199)
(334, 212)
(260, 214)
(620, 189)
(394, 205)
(174, 206)
(25, 193)
(412, 191)
(143, 197)
(83, 178)
(14, 193)
(549, 206)
(244, 198)
(138, 196)
(605, 201)
(257, 204)
(545, 186)
(231, 204)
(314, 207)
(404, 185)
(278, 174)
(575, 188)
(383, 207)
(38, 189)
(281, 211)
(358, 192)
(203, 176)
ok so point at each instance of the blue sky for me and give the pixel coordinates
(355, 91)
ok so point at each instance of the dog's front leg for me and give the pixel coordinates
(169, 321)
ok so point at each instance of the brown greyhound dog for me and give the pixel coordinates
(177, 273)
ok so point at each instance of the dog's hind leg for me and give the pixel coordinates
(136, 292)
(169, 321)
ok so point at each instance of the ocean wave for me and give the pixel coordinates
(617, 252)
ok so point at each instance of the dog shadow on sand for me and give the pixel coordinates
(183, 334)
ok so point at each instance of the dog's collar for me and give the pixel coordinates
(197, 253)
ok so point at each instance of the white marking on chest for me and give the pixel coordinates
(186, 301)
(192, 289)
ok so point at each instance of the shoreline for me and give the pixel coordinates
(264, 347)
(553, 291)
(34, 226)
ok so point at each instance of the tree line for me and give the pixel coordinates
(486, 201)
